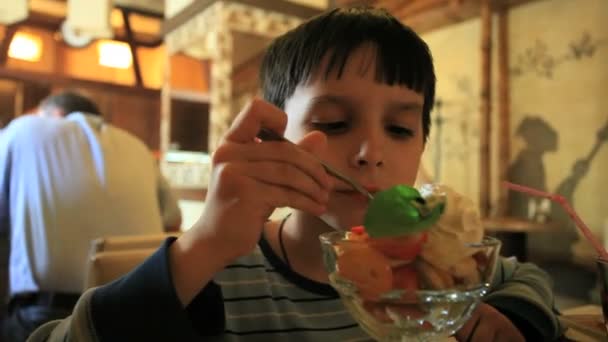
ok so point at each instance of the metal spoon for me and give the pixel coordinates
(268, 135)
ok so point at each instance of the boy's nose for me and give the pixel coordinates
(369, 154)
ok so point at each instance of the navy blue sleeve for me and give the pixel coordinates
(525, 327)
(143, 306)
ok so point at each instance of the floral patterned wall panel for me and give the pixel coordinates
(559, 111)
(559, 82)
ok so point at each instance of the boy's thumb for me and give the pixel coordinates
(314, 142)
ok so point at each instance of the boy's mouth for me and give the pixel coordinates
(356, 195)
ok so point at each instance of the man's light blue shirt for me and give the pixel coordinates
(65, 182)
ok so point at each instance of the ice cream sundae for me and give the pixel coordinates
(418, 265)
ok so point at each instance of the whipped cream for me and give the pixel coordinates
(459, 225)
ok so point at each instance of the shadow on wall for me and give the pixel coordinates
(528, 169)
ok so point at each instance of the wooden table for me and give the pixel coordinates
(513, 232)
(584, 324)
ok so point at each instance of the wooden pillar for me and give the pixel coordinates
(504, 109)
(165, 107)
(220, 110)
(485, 120)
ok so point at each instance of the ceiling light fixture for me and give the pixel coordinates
(25, 46)
(114, 54)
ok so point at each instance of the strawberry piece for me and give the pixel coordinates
(359, 230)
(357, 234)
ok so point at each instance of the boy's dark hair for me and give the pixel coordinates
(69, 102)
(403, 58)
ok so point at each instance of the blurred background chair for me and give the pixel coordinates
(126, 242)
(114, 256)
(105, 267)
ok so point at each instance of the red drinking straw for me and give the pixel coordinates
(568, 208)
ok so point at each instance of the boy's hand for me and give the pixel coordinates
(249, 180)
(488, 324)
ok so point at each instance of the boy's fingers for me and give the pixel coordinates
(284, 197)
(273, 151)
(314, 142)
(283, 175)
(252, 118)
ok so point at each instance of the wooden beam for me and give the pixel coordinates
(57, 80)
(43, 21)
(9, 33)
(351, 3)
(130, 40)
(283, 7)
(419, 6)
(504, 109)
(429, 15)
(389, 5)
(53, 24)
(141, 11)
(485, 119)
(187, 13)
(450, 13)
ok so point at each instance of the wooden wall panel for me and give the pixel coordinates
(190, 125)
(189, 74)
(83, 63)
(138, 115)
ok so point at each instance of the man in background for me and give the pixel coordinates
(66, 178)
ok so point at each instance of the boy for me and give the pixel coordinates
(357, 87)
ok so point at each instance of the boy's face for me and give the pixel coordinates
(374, 131)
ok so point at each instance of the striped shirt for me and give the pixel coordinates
(272, 303)
(264, 300)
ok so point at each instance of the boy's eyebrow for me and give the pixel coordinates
(404, 106)
(344, 101)
(335, 99)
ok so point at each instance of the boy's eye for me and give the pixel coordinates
(400, 131)
(333, 127)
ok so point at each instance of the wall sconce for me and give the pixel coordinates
(114, 54)
(25, 46)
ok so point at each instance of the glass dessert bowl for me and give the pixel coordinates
(396, 295)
